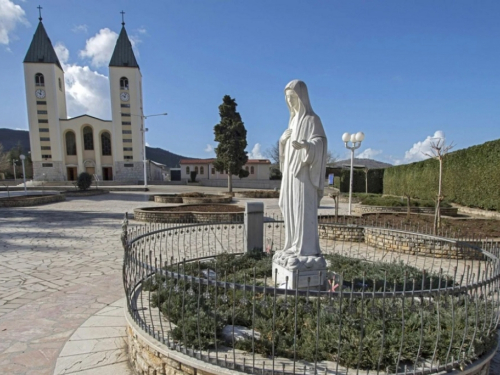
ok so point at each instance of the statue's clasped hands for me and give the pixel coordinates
(295, 144)
(302, 144)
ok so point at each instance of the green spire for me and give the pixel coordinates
(123, 55)
(41, 50)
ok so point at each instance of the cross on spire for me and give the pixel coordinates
(123, 17)
(39, 12)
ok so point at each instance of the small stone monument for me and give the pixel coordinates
(302, 148)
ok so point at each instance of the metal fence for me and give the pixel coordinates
(420, 315)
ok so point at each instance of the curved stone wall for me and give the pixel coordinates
(32, 200)
(84, 193)
(401, 241)
(155, 215)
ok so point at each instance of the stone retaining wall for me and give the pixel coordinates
(243, 183)
(84, 193)
(167, 198)
(362, 209)
(342, 233)
(410, 243)
(33, 201)
(149, 357)
(152, 216)
(401, 241)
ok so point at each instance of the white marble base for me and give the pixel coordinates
(313, 279)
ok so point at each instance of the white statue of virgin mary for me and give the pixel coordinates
(303, 148)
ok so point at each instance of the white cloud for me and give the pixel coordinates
(142, 30)
(10, 16)
(419, 149)
(369, 153)
(209, 148)
(80, 29)
(62, 52)
(99, 48)
(256, 152)
(147, 144)
(87, 91)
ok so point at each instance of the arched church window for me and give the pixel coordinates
(124, 83)
(106, 143)
(187, 170)
(196, 169)
(39, 79)
(202, 170)
(70, 143)
(252, 170)
(88, 138)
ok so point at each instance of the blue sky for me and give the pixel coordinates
(401, 71)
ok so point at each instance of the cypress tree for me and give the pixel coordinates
(232, 137)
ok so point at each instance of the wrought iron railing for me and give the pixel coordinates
(446, 308)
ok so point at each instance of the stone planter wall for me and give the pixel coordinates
(342, 233)
(154, 216)
(34, 201)
(408, 243)
(148, 356)
(209, 199)
(400, 241)
(362, 209)
(85, 193)
(170, 198)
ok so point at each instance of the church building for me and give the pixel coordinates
(62, 147)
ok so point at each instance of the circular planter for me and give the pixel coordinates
(84, 193)
(210, 213)
(31, 200)
(167, 198)
(257, 194)
(202, 199)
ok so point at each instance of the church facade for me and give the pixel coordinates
(62, 147)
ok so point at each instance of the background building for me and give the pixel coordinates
(61, 148)
(259, 169)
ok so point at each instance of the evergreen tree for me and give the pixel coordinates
(232, 137)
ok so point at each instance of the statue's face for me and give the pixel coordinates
(292, 99)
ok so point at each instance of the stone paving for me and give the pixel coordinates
(60, 264)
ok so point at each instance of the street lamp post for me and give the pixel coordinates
(144, 130)
(14, 166)
(22, 157)
(355, 140)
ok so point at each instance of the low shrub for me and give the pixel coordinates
(350, 331)
(84, 181)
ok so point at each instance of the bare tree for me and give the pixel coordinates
(4, 160)
(273, 153)
(438, 152)
(331, 157)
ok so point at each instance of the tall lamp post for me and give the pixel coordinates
(22, 157)
(14, 166)
(144, 130)
(355, 140)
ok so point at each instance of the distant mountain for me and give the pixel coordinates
(9, 138)
(162, 156)
(364, 163)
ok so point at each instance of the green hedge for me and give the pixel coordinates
(375, 181)
(471, 177)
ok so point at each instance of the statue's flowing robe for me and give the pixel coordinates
(302, 177)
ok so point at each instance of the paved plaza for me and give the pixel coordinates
(61, 292)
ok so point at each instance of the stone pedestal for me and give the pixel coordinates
(302, 271)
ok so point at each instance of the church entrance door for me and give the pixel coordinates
(107, 173)
(71, 173)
